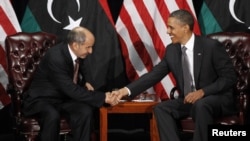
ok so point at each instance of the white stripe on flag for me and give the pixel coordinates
(142, 32)
(9, 25)
(160, 23)
(171, 5)
(3, 77)
(2, 37)
(132, 53)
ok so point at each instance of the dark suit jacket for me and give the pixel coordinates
(213, 69)
(53, 81)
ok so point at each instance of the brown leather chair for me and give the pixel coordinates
(24, 51)
(237, 45)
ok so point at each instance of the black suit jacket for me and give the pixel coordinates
(213, 69)
(53, 80)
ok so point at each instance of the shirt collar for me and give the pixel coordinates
(190, 43)
(73, 56)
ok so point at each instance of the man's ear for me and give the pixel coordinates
(186, 27)
(74, 46)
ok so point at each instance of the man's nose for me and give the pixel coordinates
(90, 51)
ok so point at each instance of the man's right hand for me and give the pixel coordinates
(120, 93)
(111, 99)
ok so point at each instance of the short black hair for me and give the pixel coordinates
(184, 17)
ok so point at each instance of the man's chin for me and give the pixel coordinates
(173, 41)
(83, 57)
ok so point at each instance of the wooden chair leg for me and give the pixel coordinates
(153, 129)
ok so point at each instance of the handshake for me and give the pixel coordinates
(115, 96)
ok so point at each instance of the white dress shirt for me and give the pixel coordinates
(190, 54)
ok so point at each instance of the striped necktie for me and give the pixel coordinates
(76, 69)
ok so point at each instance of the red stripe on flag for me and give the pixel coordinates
(135, 38)
(149, 24)
(129, 67)
(9, 26)
(161, 5)
(158, 44)
(6, 23)
(3, 60)
(5, 99)
(106, 9)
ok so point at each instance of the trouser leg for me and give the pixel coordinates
(80, 119)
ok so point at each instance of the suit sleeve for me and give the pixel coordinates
(149, 79)
(224, 75)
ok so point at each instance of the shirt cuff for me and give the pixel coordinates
(129, 92)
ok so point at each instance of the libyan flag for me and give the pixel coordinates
(105, 65)
(224, 15)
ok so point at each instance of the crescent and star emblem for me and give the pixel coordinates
(72, 23)
(232, 12)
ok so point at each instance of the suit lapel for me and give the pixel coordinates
(177, 63)
(68, 58)
(198, 55)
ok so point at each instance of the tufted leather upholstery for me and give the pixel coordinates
(237, 45)
(24, 51)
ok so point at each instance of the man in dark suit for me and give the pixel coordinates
(212, 80)
(53, 91)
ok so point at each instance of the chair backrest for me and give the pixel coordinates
(24, 51)
(237, 45)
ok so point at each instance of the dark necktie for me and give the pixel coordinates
(186, 72)
(76, 68)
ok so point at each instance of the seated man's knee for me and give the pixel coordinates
(156, 109)
(51, 116)
(159, 108)
(198, 108)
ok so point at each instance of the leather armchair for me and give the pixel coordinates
(237, 45)
(24, 51)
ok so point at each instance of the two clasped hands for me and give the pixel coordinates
(115, 96)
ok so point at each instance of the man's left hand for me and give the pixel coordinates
(192, 97)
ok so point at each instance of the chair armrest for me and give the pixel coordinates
(172, 92)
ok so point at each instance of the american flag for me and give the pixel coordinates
(142, 28)
(8, 25)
